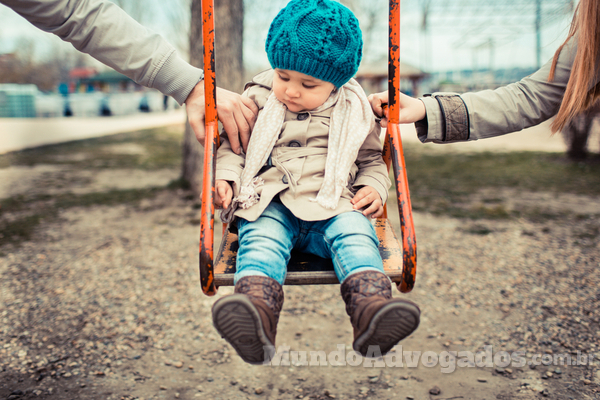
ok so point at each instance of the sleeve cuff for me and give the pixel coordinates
(177, 78)
(231, 174)
(447, 119)
(455, 117)
(430, 128)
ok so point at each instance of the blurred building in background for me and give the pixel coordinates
(373, 77)
(109, 81)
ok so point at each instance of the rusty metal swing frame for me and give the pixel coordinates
(400, 260)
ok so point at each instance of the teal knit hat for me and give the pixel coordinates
(320, 38)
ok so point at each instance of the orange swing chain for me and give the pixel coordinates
(211, 143)
(395, 152)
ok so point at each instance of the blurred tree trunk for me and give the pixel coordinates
(229, 28)
(577, 132)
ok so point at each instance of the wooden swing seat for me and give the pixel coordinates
(305, 268)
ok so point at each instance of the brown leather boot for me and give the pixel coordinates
(248, 318)
(377, 318)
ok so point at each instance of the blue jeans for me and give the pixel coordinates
(265, 244)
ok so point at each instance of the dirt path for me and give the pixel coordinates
(104, 303)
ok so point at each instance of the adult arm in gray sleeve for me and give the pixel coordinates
(104, 31)
(488, 113)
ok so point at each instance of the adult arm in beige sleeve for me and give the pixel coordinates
(107, 33)
(488, 113)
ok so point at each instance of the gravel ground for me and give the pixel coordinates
(105, 303)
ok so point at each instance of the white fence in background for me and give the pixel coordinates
(25, 101)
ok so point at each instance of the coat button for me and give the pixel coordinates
(284, 179)
(302, 116)
(294, 143)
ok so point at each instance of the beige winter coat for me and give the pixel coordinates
(298, 160)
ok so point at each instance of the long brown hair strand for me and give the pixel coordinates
(578, 94)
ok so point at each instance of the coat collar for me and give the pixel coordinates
(263, 79)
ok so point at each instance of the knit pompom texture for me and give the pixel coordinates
(320, 38)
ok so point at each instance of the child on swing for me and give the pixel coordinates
(312, 176)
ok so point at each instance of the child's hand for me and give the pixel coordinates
(367, 196)
(377, 101)
(411, 109)
(223, 193)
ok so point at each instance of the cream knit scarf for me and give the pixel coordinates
(351, 121)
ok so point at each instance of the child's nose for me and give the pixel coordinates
(292, 91)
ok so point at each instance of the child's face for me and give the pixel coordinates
(300, 92)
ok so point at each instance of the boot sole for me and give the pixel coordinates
(237, 321)
(394, 322)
